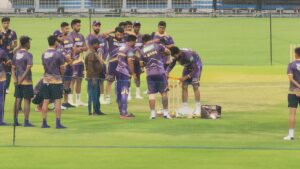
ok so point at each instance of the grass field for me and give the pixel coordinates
(236, 75)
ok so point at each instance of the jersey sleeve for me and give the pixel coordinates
(14, 36)
(289, 69)
(29, 60)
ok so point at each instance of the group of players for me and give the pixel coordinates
(118, 55)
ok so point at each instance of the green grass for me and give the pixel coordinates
(253, 97)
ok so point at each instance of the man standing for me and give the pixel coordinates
(3, 60)
(114, 43)
(79, 46)
(137, 68)
(124, 71)
(152, 55)
(67, 43)
(21, 73)
(190, 76)
(294, 93)
(53, 62)
(93, 64)
(9, 43)
(163, 38)
(104, 49)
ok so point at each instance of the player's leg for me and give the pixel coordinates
(292, 104)
(184, 95)
(110, 79)
(123, 87)
(162, 84)
(28, 94)
(2, 101)
(152, 90)
(138, 87)
(102, 88)
(96, 98)
(90, 96)
(79, 79)
(197, 99)
(45, 113)
(56, 92)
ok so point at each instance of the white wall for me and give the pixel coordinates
(5, 4)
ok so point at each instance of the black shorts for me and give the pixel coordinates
(24, 91)
(52, 91)
(293, 101)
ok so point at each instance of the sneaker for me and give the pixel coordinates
(60, 126)
(67, 105)
(152, 117)
(129, 98)
(167, 116)
(108, 100)
(138, 97)
(288, 138)
(4, 124)
(44, 126)
(80, 103)
(103, 101)
(127, 116)
(37, 109)
(7, 91)
(27, 124)
(100, 114)
(63, 107)
(196, 115)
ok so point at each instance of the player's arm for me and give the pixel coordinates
(107, 33)
(15, 41)
(293, 81)
(84, 48)
(13, 73)
(170, 43)
(131, 67)
(28, 68)
(100, 58)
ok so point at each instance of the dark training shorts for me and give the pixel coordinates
(293, 101)
(52, 91)
(24, 91)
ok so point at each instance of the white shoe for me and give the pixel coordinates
(80, 103)
(129, 97)
(63, 108)
(103, 101)
(138, 96)
(167, 116)
(7, 91)
(152, 116)
(108, 100)
(288, 138)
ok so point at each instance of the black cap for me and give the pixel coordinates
(94, 41)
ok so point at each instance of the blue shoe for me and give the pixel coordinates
(59, 126)
(4, 124)
(44, 126)
(27, 124)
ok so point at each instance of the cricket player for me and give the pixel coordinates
(3, 60)
(114, 43)
(152, 55)
(94, 67)
(22, 75)
(53, 63)
(293, 72)
(162, 37)
(79, 46)
(9, 43)
(124, 71)
(190, 76)
(137, 67)
(104, 49)
(67, 43)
